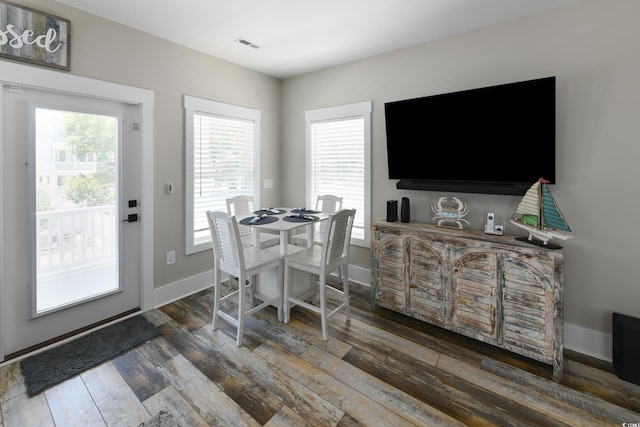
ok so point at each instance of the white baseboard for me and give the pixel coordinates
(589, 342)
(182, 288)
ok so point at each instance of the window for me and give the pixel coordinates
(339, 161)
(62, 156)
(222, 146)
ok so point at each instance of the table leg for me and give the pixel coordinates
(309, 235)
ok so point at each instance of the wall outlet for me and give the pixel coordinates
(171, 257)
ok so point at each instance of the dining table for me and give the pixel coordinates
(285, 221)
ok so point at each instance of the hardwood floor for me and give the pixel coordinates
(381, 369)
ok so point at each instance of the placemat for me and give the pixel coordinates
(261, 221)
(304, 210)
(269, 211)
(298, 218)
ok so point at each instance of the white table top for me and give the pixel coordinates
(284, 227)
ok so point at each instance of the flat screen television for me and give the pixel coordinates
(492, 140)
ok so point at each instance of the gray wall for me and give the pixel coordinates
(592, 47)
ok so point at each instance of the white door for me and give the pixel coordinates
(70, 204)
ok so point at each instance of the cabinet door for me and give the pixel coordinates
(426, 281)
(389, 275)
(528, 309)
(474, 297)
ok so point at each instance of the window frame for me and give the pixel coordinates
(340, 113)
(193, 105)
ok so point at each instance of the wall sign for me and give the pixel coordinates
(32, 36)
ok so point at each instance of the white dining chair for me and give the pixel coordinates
(241, 205)
(243, 263)
(327, 203)
(322, 260)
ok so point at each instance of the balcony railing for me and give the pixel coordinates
(75, 239)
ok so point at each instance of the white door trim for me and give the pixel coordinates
(22, 75)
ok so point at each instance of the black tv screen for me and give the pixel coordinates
(495, 140)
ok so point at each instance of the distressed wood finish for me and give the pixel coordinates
(382, 368)
(492, 288)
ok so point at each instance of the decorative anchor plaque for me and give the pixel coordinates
(450, 212)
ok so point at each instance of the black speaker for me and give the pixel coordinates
(392, 210)
(626, 347)
(405, 211)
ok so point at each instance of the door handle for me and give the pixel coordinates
(131, 218)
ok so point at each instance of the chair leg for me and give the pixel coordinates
(216, 298)
(285, 292)
(242, 290)
(345, 290)
(323, 306)
(251, 284)
(280, 290)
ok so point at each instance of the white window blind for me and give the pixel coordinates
(221, 163)
(339, 141)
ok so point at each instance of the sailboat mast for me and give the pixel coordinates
(541, 222)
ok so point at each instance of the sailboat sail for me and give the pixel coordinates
(539, 214)
(552, 216)
(529, 206)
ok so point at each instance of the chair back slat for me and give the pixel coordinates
(328, 203)
(240, 205)
(336, 239)
(226, 241)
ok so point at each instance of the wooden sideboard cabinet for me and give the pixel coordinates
(495, 289)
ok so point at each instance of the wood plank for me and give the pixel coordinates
(457, 398)
(604, 384)
(157, 351)
(141, 375)
(355, 404)
(212, 403)
(390, 340)
(115, 400)
(386, 395)
(224, 374)
(169, 399)
(286, 417)
(71, 404)
(22, 410)
(554, 410)
(289, 391)
(306, 325)
(598, 407)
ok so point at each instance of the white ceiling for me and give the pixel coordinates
(299, 36)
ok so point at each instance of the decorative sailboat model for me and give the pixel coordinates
(539, 215)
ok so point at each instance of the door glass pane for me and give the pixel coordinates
(76, 192)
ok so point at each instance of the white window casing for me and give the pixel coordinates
(339, 161)
(222, 161)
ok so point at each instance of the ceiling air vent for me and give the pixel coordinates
(246, 42)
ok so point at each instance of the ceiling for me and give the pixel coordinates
(298, 36)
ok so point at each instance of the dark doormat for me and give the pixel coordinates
(50, 367)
